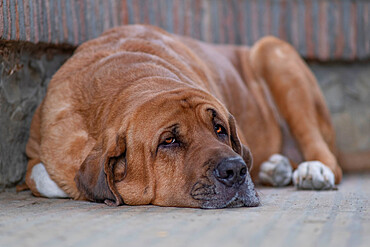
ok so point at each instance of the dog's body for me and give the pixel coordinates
(142, 116)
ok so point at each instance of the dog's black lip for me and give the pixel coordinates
(202, 191)
(235, 202)
(230, 204)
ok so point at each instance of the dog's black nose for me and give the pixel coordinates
(231, 171)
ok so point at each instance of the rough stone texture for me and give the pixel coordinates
(24, 76)
(286, 218)
(347, 91)
(346, 87)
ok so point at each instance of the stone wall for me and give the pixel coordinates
(25, 71)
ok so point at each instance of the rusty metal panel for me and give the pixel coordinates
(319, 29)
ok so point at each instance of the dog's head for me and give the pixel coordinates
(180, 148)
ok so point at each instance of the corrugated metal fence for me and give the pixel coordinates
(319, 29)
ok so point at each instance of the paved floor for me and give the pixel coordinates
(286, 218)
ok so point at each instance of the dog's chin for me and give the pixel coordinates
(220, 196)
(235, 202)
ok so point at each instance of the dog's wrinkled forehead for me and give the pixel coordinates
(180, 106)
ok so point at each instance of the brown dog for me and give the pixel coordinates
(141, 116)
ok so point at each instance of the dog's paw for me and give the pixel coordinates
(313, 175)
(44, 184)
(277, 171)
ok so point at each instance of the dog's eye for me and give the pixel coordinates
(169, 140)
(220, 130)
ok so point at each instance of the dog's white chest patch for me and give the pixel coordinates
(45, 186)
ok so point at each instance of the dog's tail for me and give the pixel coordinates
(21, 187)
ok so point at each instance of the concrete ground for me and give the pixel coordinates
(286, 218)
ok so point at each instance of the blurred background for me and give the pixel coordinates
(333, 36)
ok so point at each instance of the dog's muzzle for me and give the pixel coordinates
(228, 185)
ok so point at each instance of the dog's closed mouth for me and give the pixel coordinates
(235, 202)
(202, 191)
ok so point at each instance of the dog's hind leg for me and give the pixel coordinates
(301, 103)
(37, 178)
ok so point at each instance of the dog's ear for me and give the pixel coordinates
(103, 167)
(237, 146)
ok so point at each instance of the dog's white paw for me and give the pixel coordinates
(313, 175)
(277, 171)
(44, 184)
